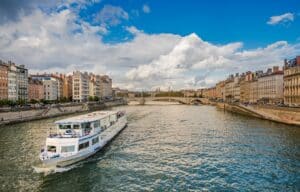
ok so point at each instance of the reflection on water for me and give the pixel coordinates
(174, 147)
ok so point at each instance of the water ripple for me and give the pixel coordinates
(169, 148)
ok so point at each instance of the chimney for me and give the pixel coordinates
(275, 69)
(298, 60)
(285, 63)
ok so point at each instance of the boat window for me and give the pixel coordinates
(86, 125)
(86, 128)
(83, 146)
(76, 126)
(65, 149)
(66, 126)
(95, 140)
(97, 124)
(51, 148)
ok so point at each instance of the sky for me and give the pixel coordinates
(150, 44)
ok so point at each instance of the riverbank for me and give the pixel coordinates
(12, 117)
(286, 115)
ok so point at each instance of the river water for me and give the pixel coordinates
(164, 148)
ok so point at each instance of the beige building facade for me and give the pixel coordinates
(3, 81)
(292, 82)
(270, 87)
(35, 90)
(105, 86)
(80, 86)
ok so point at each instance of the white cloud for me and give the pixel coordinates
(112, 15)
(196, 63)
(146, 9)
(60, 42)
(274, 20)
(133, 30)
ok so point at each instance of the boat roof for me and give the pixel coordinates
(90, 117)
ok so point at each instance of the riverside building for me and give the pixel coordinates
(270, 86)
(80, 86)
(22, 83)
(94, 85)
(253, 91)
(35, 90)
(105, 86)
(13, 81)
(292, 82)
(67, 86)
(232, 88)
(245, 87)
(3, 80)
(51, 86)
(220, 90)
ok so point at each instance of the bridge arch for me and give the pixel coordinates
(182, 100)
(196, 101)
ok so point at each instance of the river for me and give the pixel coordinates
(164, 148)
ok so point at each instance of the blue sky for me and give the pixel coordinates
(217, 21)
(145, 44)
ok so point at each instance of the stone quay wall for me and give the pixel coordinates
(54, 111)
(284, 115)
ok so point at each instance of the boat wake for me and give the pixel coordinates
(52, 170)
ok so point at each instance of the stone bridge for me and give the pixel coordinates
(183, 100)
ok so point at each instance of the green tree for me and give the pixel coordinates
(33, 101)
(96, 98)
(91, 98)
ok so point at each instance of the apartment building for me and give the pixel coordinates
(188, 93)
(22, 83)
(253, 91)
(12, 82)
(220, 90)
(51, 88)
(80, 86)
(60, 84)
(65, 86)
(245, 83)
(292, 82)
(232, 88)
(94, 85)
(68, 86)
(50, 84)
(270, 86)
(3, 80)
(211, 93)
(35, 90)
(105, 86)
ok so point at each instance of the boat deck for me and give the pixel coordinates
(86, 117)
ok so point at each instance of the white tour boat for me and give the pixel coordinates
(79, 137)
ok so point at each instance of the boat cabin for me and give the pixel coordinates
(83, 125)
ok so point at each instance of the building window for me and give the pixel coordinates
(83, 146)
